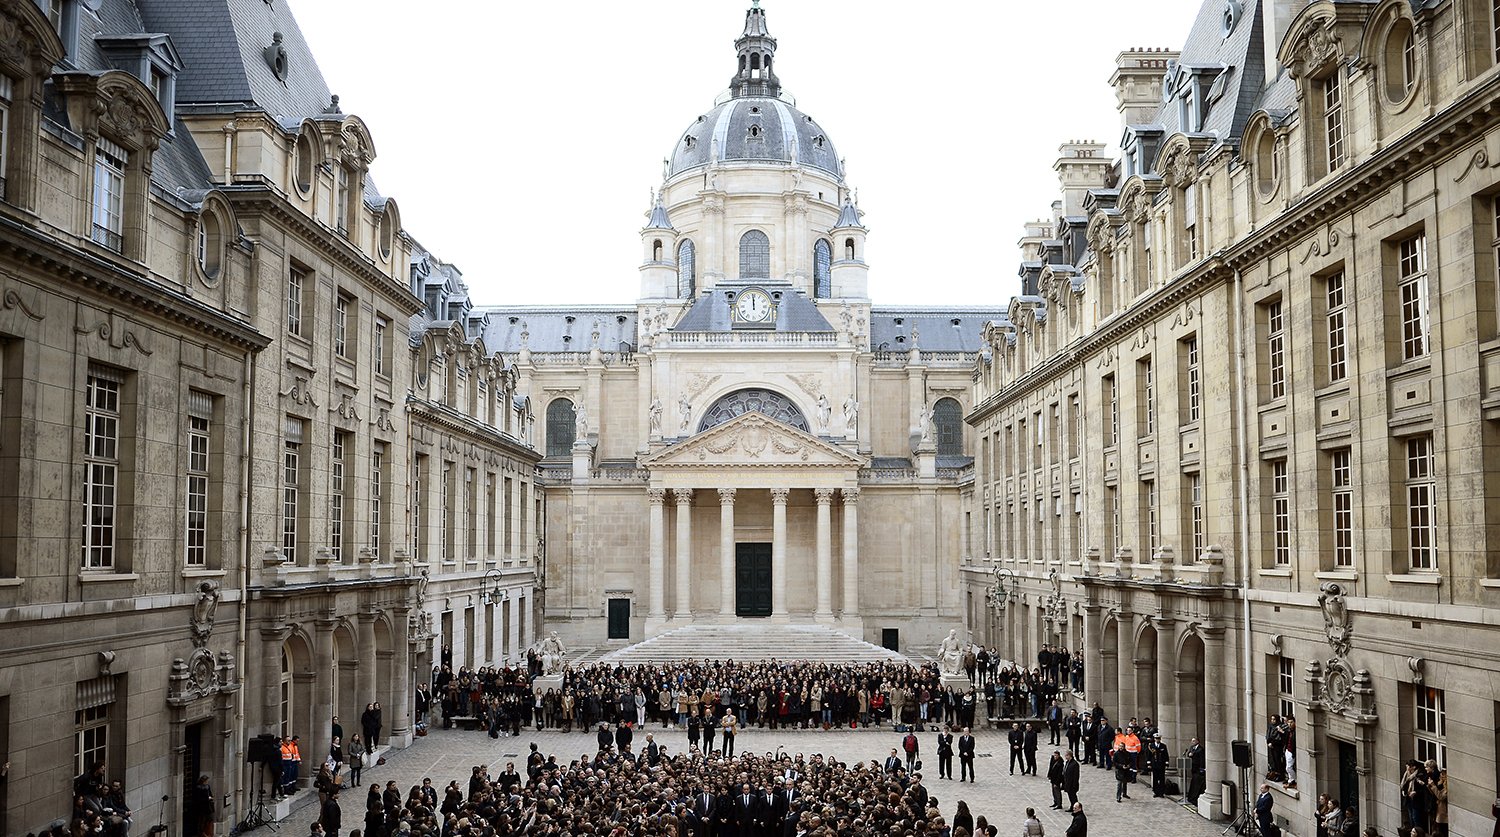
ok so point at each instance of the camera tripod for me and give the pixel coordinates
(1244, 820)
(260, 814)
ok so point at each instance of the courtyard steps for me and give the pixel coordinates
(744, 643)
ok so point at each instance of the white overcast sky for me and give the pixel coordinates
(521, 139)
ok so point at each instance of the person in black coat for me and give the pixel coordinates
(202, 807)
(966, 756)
(1196, 782)
(369, 721)
(1123, 774)
(749, 811)
(1106, 743)
(623, 737)
(1029, 746)
(1079, 827)
(1017, 740)
(606, 741)
(726, 823)
(374, 818)
(331, 817)
(1055, 778)
(1070, 778)
(702, 816)
(1263, 804)
(945, 754)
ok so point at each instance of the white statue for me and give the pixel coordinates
(851, 415)
(685, 407)
(655, 415)
(825, 411)
(581, 422)
(924, 421)
(950, 654)
(552, 651)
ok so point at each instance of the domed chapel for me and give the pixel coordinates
(753, 438)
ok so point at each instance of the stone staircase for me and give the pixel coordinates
(814, 643)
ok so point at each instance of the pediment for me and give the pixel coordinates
(755, 440)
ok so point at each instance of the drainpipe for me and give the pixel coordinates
(1242, 453)
(240, 739)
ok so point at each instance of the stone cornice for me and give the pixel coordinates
(1432, 142)
(57, 259)
(270, 203)
(442, 416)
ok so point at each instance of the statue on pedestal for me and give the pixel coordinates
(951, 654)
(552, 651)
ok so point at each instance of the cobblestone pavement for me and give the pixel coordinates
(445, 755)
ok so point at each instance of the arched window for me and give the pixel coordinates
(755, 255)
(656, 250)
(561, 430)
(948, 423)
(687, 281)
(849, 249)
(763, 401)
(822, 269)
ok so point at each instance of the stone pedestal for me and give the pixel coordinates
(547, 681)
(958, 682)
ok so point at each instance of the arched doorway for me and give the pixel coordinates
(295, 694)
(1192, 703)
(1146, 704)
(1109, 669)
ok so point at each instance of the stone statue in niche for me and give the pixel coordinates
(654, 413)
(851, 415)
(825, 412)
(203, 611)
(581, 422)
(685, 408)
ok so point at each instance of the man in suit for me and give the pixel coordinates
(704, 806)
(788, 809)
(1017, 740)
(1029, 745)
(1196, 783)
(892, 762)
(1070, 778)
(331, 816)
(1073, 731)
(966, 756)
(1079, 827)
(945, 754)
(1263, 805)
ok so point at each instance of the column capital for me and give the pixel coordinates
(683, 496)
(726, 496)
(657, 496)
(824, 496)
(779, 496)
(850, 495)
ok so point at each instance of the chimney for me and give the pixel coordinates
(1137, 80)
(1080, 166)
(1035, 233)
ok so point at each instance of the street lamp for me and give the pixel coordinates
(998, 595)
(489, 589)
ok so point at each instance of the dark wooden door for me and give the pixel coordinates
(619, 619)
(752, 579)
(1348, 795)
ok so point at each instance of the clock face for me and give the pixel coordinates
(753, 306)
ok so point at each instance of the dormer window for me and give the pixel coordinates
(754, 132)
(63, 15)
(345, 202)
(1333, 121)
(6, 92)
(110, 161)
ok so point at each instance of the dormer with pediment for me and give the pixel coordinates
(29, 47)
(1135, 271)
(1320, 53)
(1181, 175)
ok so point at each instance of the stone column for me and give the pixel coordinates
(401, 670)
(1215, 715)
(779, 498)
(851, 553)
(824, 497)
(657, 611)
(364, 675)
(319, 728)
(1093, 661)
(684, 604)
(1125, 664)
(272, 640)
(726, 553)
(1166, 685)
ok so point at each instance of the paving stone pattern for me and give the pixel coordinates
(445, 755)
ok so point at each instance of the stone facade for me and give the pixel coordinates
(709, 459)
(1237, 438)
(230, 383)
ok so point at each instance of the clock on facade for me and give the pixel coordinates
(753, 306)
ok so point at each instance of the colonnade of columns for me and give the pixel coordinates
(823, 552)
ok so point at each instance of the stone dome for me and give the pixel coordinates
(755, 129)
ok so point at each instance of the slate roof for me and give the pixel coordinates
(782, 130)
(550, 328)
(222, 44)
(794, 311)
(1234, 92)
(890, 327)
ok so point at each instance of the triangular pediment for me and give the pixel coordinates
(753, 439)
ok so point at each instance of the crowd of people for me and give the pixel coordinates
(691, 794)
